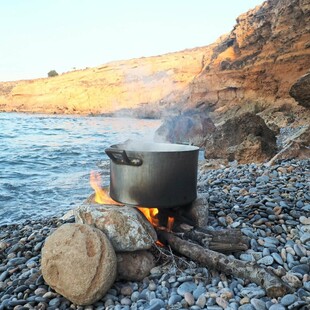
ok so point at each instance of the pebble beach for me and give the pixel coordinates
(270, 205)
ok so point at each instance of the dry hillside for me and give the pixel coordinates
(250, 69)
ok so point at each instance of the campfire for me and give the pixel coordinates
(144, 205)
(102, 197)
(185, 230)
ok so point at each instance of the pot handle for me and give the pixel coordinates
(120, 157)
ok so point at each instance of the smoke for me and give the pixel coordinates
(188, 128)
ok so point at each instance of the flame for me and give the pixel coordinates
(101, 196)
(170, 223)
(150, 214)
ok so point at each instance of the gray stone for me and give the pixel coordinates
(247, 257)
(17, 261)
(201, 289)
(304, 220)
(305, 237)
(174, 299)
(298, 304)
(127, 229)
(266, 260)
(290, 258)
(17, 302)
(277, 307)
(4, 275)
(302, 269)
(277, 258)
(125, 301)
(288, 299)
(158, 301)
(234, 306)
(300, 250)
(55, 302)
(189, 298)
(246, 307)
(134, 266)
(258, 304)
(263, 178)
(201, 301)
(134, 296)
(186, 287)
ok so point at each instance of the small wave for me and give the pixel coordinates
(7, 136)
(46, 160)
(4, 198)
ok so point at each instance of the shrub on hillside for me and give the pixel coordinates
(52, 73)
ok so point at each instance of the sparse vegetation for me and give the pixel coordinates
(52, 73)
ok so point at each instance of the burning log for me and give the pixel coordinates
(273, 285)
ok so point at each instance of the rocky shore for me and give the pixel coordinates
(271, 205)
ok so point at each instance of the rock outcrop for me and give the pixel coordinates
(189, 128)
(79, 262)
(300, 91)
(127, 229)
(245, 138)
(254, 66)
(250, 69)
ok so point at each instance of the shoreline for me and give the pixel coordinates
(90, 114)
(116, 114)
(271, 205)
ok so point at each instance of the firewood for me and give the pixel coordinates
(273, 285)
(224, 240)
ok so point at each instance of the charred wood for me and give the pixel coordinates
(225, 240)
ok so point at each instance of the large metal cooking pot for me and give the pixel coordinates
(158, 175)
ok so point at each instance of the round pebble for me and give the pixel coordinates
(288, 299)
(189, 298)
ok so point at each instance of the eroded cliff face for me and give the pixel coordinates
(255, 65)
(250, 69)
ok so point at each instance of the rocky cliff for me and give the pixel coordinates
(254, 66)
(250, 69)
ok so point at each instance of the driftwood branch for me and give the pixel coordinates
(273, 285)
(274, 158)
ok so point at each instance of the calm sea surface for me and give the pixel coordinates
(45, 161)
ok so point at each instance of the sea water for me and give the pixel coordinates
(46, 160)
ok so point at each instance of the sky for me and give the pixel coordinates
(37, 36)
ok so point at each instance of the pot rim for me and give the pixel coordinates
(153, 147)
